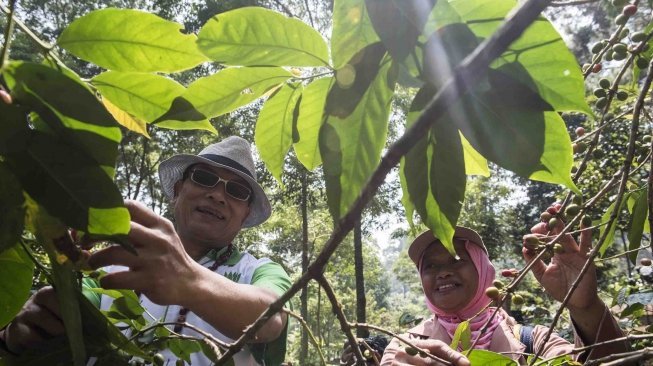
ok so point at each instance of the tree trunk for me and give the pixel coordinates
(303, 353)
(361, 302)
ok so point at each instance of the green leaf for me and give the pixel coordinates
(365, 67)
(70, 186)
(68, 107)
(352, 31)
(351, 147)
(232, 88)
(274, 127)
(399, 23)
(475, 163)
(131, 40)
(609, 240)
(252, 36)
(13, 211)
(638, 218)
(145, 96)
(16, 269)
(182, 115)
(183, 348)
(462, 335)
(559, 80)
(434, 174)
(14, 129)
(125, 119)
(483, 357)
(311, 111)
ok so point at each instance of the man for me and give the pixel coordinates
(189, 272)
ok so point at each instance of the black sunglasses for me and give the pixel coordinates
(207, 179)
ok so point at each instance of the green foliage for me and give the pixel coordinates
(257, 36)
(131, 40)
(17, 266)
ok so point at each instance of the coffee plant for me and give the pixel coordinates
(490, 81)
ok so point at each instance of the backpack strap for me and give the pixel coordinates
(526, 337)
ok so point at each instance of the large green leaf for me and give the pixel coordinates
(638, 217)
(70, 186)
(146, 96)
(434, 174)
(364, 68)
(131, 40)
(558, 80)
(399, 23)
(609, 239)
(274, 127)
(311, 116)
(352, 30)
(483, 357)
(475, 163)
(253, 36)
(14, 129)
(68, 107)
(11, 206)
(230, 89)
(351, 147)
(16, 270)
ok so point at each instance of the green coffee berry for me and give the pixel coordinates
(642, 63)
(624, 33)
(586, 221)
(601, 103)
(558, 249)
(498, 284)
(619, 3)
(604, 83)
(620, 48)
(621, 19)
(619, 56)
(600, 93)
(492, 292)
(545, 216)
(598, 46)
(597, 153)
(412, 351)
(577, 200)
(622, 95)
(517, 299)
(553, 223)
(638, 37)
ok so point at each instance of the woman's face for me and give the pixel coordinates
(449, 283)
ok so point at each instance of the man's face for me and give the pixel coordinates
(208, 216)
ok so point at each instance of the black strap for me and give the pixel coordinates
(526, 337)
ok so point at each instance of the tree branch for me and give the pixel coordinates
(9, 32)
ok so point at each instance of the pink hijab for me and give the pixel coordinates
(450, 322)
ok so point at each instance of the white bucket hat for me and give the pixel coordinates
(234, 154)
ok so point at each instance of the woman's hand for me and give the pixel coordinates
(37, 321)
(558, 276)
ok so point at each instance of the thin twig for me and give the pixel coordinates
(570, 3)
(308, 331)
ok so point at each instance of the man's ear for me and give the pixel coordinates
(176, 189)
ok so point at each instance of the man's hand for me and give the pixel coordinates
(434, 347)
(162, 268)
(558, 276)
(38, 320)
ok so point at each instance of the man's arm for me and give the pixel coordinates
(167, 275)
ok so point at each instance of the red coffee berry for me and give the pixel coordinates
(630, 10)
(6, 97)
(580, 131)
(597, 68)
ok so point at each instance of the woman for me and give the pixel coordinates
(454, 289)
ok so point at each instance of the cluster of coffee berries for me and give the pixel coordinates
(627, 11)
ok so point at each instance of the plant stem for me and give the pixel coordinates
(9, 32)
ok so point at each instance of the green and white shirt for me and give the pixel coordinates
(241, 267)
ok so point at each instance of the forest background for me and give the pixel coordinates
(371, 273)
